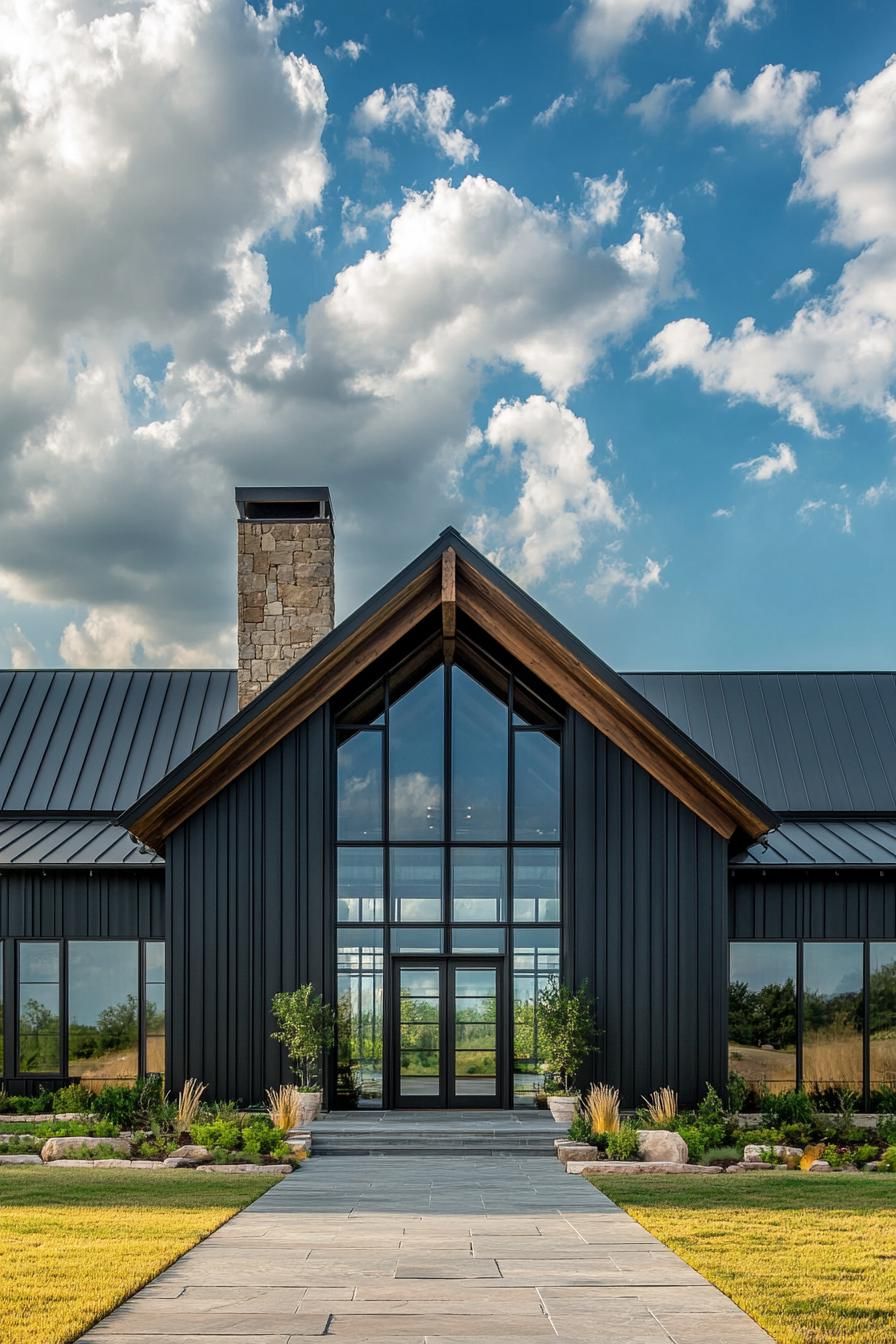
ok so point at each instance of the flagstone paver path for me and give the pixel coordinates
(430, 1251)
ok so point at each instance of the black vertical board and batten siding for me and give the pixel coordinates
(813, 906)
(247, 877)
(647, 923)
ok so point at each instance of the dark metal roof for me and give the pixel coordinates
(803, 741)
(79, 741)
(57, 842)
(450, 538)
(837, 842)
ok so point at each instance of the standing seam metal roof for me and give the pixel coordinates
(802, 741)
(92, 742)
(836, 842)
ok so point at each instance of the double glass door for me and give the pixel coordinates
(448, 1044)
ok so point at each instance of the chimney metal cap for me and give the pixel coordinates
(284, 504)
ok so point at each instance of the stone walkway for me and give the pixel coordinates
(427, 1251)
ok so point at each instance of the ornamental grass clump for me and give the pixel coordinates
(602, 1105)
(188, 1105)
(662, 1107)
(284, 1107)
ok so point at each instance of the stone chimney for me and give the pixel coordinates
(284, 580)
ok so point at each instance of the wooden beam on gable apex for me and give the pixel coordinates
(449, 604)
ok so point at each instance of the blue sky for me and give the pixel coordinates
(292, 296)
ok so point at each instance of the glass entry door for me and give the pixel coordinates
(448, 1046)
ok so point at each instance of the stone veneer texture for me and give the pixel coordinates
(285, 597)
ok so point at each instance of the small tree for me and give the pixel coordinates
(566, 1029)
(307, 1027)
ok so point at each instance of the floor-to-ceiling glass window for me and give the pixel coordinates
(762, 1014)
(447, 881)
(819, 1014)
(882, 1019)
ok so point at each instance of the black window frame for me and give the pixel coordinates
(10, 948)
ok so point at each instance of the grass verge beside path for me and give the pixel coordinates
(75, 1243)
(811, 1258)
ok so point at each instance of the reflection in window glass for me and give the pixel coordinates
(416, 940)
(882, 1015)
(536, 961)
(359, 885)
(416, 760)
(478, 761)
(416, 885)
(39, 1044)
(833, 1013)
(762, 1014)
(477, 940)
(103, 1013)
(359, 987)
(536, 886)
(154, 1007)
(479, 885)
(536, 793)
(359, 814)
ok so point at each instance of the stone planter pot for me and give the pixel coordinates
(563, 1109)
(311, 1103)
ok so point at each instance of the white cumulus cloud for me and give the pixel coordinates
(796, 284)
(748, 13)
(615, 577)
(562, 103)
(563, 498)
(839, 351)
(349, 50)
(604, 26)
(429, 114)
(655, 107)
(781, 461)
(775, 102)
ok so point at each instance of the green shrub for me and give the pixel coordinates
(835, 1157)
(580, 1129)
(738, 1089)
(21, 1146)
(76, 1129)
(116, 1103)
(888, 1159)
(866, 1152)
(719, 1157)
(38, 1105)
(218, 1134)
(696, 1142)
(98, 1153)
(622, 1145)
(787, 1108)
(73, 1098)
(259, 1135)
(761, 1136)
(886, 1129)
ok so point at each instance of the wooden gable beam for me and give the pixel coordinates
(449, 604)
(604, 708)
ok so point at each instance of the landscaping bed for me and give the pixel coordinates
(811, 1260)
(790, 1135)
(140, 1127)
(78, 1242)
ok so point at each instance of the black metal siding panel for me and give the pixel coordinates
(802, 741)
(92, 741)
(649, 896)
(246, 880)
(812, 906)
(77, 904)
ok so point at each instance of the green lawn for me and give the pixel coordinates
(77, 1242)
(811, 1258)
